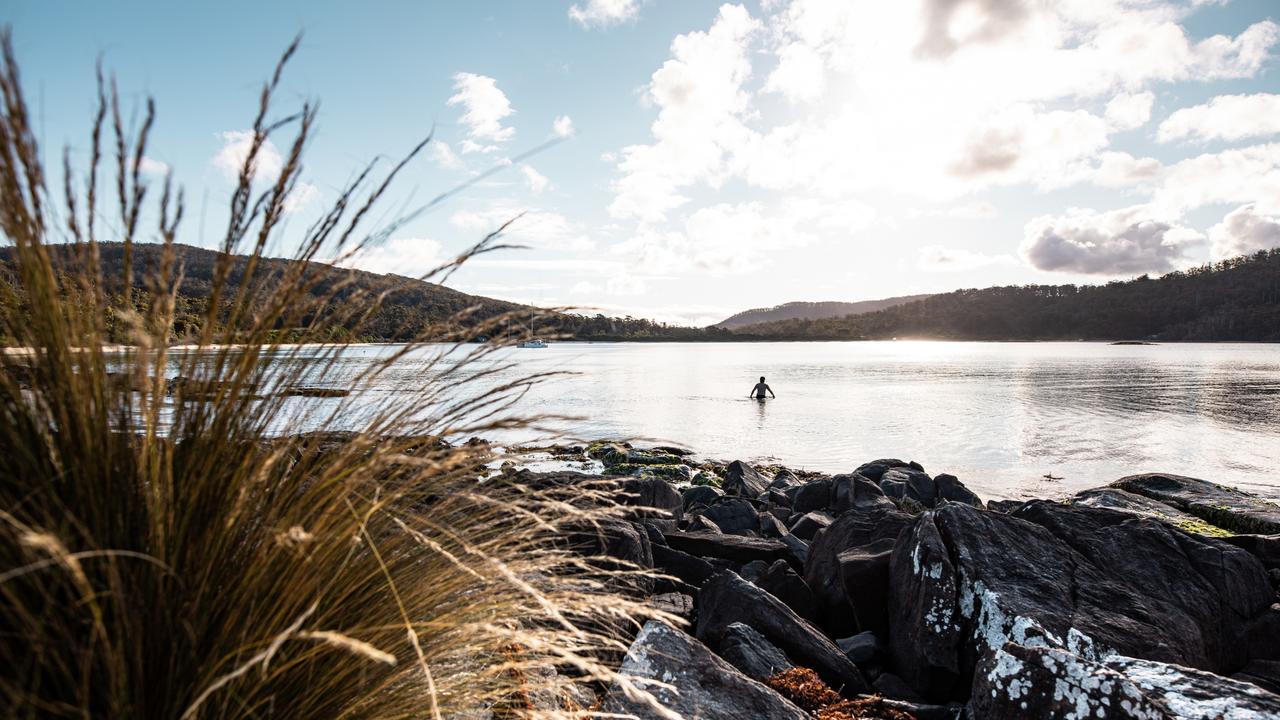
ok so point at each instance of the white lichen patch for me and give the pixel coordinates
(1190, 694)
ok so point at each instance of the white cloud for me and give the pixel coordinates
(410, 257)
(1236, 176)
(936, 258)
(532, 227)
(301, 197)
(1129, 111)
(536, 181)
(800, 75)
(236, 145)
(1244, 231)
(563, 126)
(1226, 117)
(485, 108)
(1121, 242)
(444, 156)
(604, 13)
(153, 168)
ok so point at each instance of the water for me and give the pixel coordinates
(1001, 416)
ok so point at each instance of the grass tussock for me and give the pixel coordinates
(171, 550)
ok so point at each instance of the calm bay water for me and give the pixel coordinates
(1001, 416)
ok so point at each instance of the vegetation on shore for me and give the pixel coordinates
(168, 558)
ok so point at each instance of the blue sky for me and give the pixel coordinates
(716, 156)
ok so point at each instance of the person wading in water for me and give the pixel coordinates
(760, 389)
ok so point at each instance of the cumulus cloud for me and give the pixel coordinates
(1120, 242)
(410, 257)
(236, 145)
(485, 107)
(937, 258)
(536, 181)
(1236, 176)
(444, 156)
(563, 126)
(152, 167)
(604, 13)
(949, 24)
(1128, 111)
(1242, 232)
(532, 227)
(1226, 117)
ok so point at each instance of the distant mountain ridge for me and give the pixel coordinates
(811, 311)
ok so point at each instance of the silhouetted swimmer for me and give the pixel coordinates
(760, 389)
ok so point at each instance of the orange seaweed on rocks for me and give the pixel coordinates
(803, 687)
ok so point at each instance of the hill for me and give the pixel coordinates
(1233, 300)
(811, 311)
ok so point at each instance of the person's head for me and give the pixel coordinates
(761, 378)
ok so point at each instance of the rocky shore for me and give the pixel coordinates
(888, 592)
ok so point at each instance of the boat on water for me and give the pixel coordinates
(534, 343)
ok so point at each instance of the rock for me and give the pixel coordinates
(687, 678)
(742, 480)
(1190, 694)
(1263, 673)
(813, 495)
(952, 490)
(752, 571)
(1224, 507)
(659, 500)
(651, 457)
(771, 526)
(751, 653)
(734, 516)
(1125, 501)
(689, 570)
(607, 452)
(1040, 683)
(703, 524)
(964, 581)
(876, 530)
(865, 574)
(707, 478)
(625, 542)
(1005, 506)
(700, 495)
(782, 582)
(905, 482)
(784, 479)
(1264, 547)
(876, 468)
(862, 649)
(655, 533)
(726, 599)
(677, 604)
(730, 547)
(776, 498)
(892, 686)
(809, 524)
(799, 549)
(856, 491)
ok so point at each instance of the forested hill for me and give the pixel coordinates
(412, 306)
(1234, 300)
(810, 311)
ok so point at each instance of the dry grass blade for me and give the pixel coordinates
(172, 546)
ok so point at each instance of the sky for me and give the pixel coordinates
(694, 159)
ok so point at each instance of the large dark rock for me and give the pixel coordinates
(734, 516)
(1221, 506)
(784, 479)
(781, 581)
(1264, 547)
(752, 653)
(617, 545)
(726, 599)
(951, 489)
(1093, 581)
(863, 649)
(696, 495)
(682, 675)
(660, 501)
(771, 526)
(813, 495)
(904, 482)
(742, 480)
(875, 530)
(687, 569)
(855, 491)
(730, 547)
(809, 524)
(865, 574)
(1040, 683)
(876, 468)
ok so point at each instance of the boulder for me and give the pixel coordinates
(752, 571)
(726, 599)
(702, 524)
(689, 570)
(617, 545)
(696, 495)
(964, 581)
(734, 516)
(751, 653)
(730, 547)
(856, 492)
(660, 501)
(771, 526)
(809, 524)
(1263, 673)
(682, 675)
(742, 480)
(865, 574)
(677, 604)
(1125, 501)
(782, 582)
(1034, 682)
(863, 649)
(1224, 507)
(813, 495)
(903, 482)
(1264, 547)
(784, 479)
(799, 549)
(876, 468)
(951, 489)
(875, 530)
